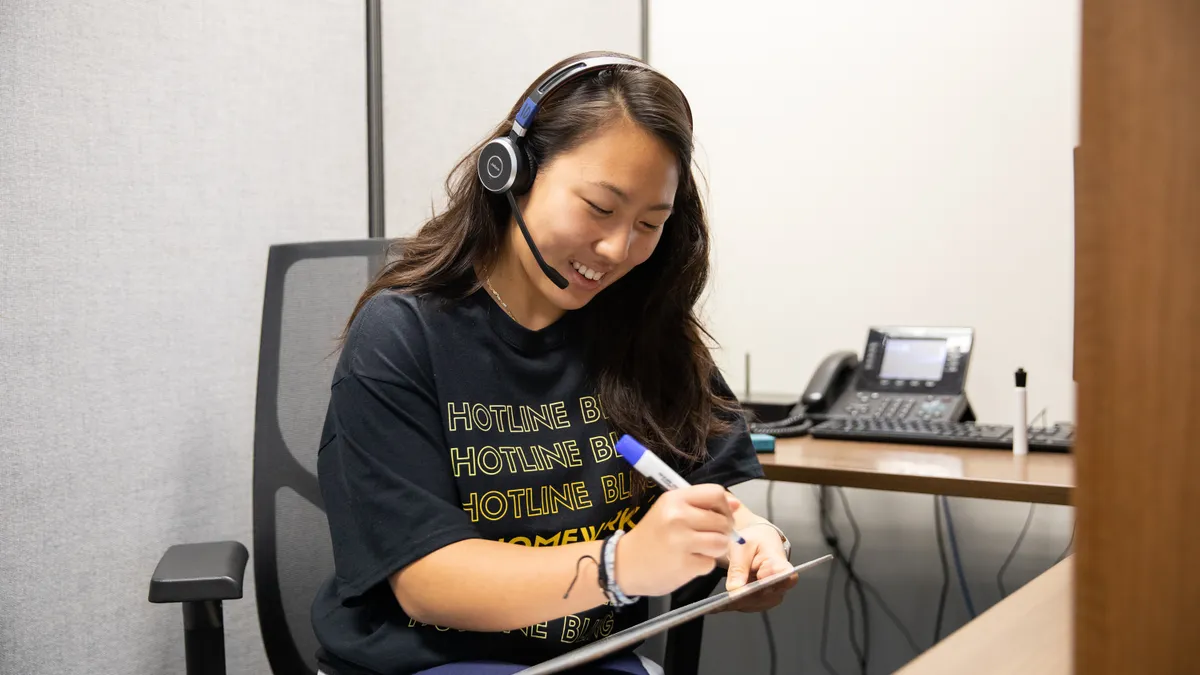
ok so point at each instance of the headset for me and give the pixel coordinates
(505, 165)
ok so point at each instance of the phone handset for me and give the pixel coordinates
(828, 381)
(823, 388)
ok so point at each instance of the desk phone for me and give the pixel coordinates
(909, 387)
(907, 373)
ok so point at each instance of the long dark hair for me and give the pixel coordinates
(655, 378)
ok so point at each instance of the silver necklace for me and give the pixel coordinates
(488, 282)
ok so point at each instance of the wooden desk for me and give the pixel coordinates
(1046, 478)
(1029, 632)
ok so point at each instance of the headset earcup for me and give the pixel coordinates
(526, 171)
(499, 165)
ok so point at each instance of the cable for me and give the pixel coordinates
(770, 640)
(801, 414)
(871, 589)
(853, 580)
(962, 578)
(785, 422)
(861, 587)
(1042, 416)
(829, 532)
(774, 655)
(819, 493)
(859, 648)
(937, 523)
(794, 431)
(825, 622)
(1069, 542)
(1013, 553)
(793, 425)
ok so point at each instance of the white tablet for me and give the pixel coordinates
(635, 634)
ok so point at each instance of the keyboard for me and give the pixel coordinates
(1056, 438)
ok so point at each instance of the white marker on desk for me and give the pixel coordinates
(649, 465)
(1021, 426)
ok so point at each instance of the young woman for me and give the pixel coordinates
(467, 461)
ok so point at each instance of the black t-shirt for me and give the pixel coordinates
(449, 421)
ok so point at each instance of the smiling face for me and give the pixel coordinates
(596, 212)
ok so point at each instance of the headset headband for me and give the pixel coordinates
(559, 77)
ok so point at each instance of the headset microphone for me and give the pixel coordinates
(505, 166)
(558, 279)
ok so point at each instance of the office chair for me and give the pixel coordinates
(310, 291)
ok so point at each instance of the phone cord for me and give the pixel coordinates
(796, 425)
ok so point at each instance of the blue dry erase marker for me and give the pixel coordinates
(649, 465)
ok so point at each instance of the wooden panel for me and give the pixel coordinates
(1029, 632)
(1046, 478)
(1137, 587)
(1075, 235)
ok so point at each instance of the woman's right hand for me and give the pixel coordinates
(681, 537)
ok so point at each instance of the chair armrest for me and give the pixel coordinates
(200, 572)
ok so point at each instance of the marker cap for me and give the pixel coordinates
(630, 449)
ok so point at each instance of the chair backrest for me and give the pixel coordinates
(310, 291)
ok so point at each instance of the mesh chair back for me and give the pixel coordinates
(310, 291)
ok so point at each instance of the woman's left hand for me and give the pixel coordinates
(761, 556)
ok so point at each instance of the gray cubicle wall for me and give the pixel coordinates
(149, 154)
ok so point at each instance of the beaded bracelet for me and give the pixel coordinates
(608, 577)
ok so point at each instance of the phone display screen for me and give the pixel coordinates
(913, 359)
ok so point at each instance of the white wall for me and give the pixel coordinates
(875, 162)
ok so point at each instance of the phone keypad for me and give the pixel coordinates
(914, 407)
